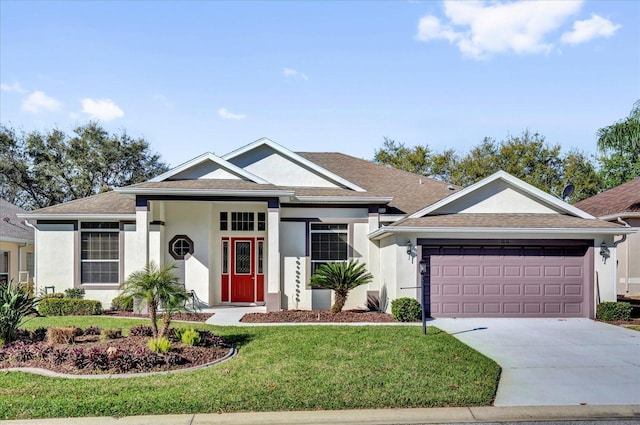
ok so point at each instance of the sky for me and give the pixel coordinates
(212, 76)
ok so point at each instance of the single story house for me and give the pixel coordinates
(621, 205)
(16, 245)
(251, 226)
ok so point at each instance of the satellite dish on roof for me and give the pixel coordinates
(567, 191)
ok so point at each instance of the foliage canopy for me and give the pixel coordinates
(40, 169)
(342, 277)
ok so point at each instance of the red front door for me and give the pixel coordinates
(243, 274)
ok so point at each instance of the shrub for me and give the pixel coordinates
(98, 358)
(148, 359)
(159, 345)
(175, 333)
(406, 309)
(57, 356)
(612, 311)
(74, 293)
(140, 330)
(61, 335)
(78, 358)
(120, 303)
(16, 303)
(39, 334)
(69, 307)
(190, 337)
(174, 359)
(20, 352)
(53, 295)
(113, 333)
(92, 330)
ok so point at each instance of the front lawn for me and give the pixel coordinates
(277, 368)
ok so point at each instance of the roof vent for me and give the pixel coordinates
(451, 187)
(7, 219)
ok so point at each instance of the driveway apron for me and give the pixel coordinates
(555, 361)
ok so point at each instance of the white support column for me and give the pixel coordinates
(274, 293)
(142, 235)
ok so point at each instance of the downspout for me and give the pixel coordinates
(35, 255)
(615, 269)
(20, 258)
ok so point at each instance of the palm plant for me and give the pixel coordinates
(341, 277)
(16, 303)
(159, 287)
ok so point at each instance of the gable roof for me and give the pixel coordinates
(623, 201)
(107, 204)
(340, 180)
(209, 157)
(13, 228)
(512, 181)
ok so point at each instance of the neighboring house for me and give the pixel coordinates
(251, 226)
(16, 245)
(621, 204)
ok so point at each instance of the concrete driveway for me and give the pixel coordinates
(556, 361)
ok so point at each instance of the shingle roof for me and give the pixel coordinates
(410, 192)
(12, 227)
(618, 200)
(527, 221)
(103, 203)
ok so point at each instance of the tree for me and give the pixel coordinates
(528, 157)
(38, 169)
(619, 146)
(157, 287)
(341, 277)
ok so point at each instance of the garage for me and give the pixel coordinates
(508, 278)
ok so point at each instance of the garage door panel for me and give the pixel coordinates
(509, 281)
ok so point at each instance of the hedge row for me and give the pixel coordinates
(69, 307)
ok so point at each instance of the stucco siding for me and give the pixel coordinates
(628, 256)
(497, 197)
(55, 263)
(294, 264)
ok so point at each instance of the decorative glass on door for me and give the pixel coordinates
(243, 257)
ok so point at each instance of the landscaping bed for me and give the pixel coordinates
(90, 353)
(318, 316)
(184, 316)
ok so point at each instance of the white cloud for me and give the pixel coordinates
(480, 29)
(38, 102)
(162, 100)
(227, 115)
(290, 72)
(16, 87)
(102, 109)
(589, 29)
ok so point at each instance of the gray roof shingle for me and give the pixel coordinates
(618, 200)
(525, 221)
(12, 227)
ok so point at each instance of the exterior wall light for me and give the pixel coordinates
(604, 251)
(423, 267)
(409, 248)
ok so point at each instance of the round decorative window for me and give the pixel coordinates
(180, 246)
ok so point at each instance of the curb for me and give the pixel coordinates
(439, 415)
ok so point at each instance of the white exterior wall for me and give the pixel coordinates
(360, 251)
(56, 245)
(129, 251)
(294, 266)
(628, 256)
(17, 258)
(498, 197)
(193, 220)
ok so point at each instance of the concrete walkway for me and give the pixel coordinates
(556, 361)
(441, 415)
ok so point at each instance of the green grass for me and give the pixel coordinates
(277, 368)
(634, 327)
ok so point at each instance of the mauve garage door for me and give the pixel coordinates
(508, 281)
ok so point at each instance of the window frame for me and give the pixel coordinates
(343, 230)
(180, 238)
(96, 228)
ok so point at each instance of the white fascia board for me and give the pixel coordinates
(208, 156)
(384, 232)
(391, 218)
(31, 217)
(295, 157)
(343, 199)
(204, 192)
(16, 240)
(503, 175)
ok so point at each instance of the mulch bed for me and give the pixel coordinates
(193, 356)
(318, 316)
(187, 317)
